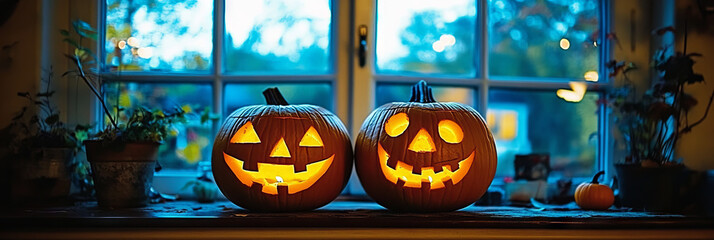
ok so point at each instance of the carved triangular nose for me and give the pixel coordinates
(280, 149)
(422, 142)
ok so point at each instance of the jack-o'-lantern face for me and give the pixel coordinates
(425, 156)
(273, 175)
(280, 157)
(421, 145)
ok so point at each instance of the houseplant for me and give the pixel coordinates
(652, 121)
(41, 151)
(123, 155)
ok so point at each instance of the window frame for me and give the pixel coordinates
(352, 84)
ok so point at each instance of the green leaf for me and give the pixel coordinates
(71, 42)
(695, 78)
(84, 29)
(91, 35)
(64, 33)
(80, 25)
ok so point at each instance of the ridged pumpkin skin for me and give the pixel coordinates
(424, 117)
(594, 196)
(282, 125)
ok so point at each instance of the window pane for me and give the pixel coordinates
(387, 93)
(159, 35)
(536, 38)
(426, 36)
(191, 142)
(278, 36)
(240, 95)
(525, 122)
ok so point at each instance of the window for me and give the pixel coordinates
(218, 55)
(506, 58)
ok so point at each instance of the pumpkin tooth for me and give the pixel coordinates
(250, 166)
(400, 181)
(454, 165)
(392, 163)
(417, 170)
(297, 168)
(437, 169)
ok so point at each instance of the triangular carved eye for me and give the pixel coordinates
(311, 139)
(246, 134)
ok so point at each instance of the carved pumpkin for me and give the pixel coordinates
(425, 156)
(594, 196)
(281, 157)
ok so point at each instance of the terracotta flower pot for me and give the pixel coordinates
(43, 178)
(123, 173)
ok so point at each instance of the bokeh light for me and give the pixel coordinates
(564, 43)
(591, 76)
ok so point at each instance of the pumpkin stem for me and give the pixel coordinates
(422, 93)
(597, 176)
(274, 97)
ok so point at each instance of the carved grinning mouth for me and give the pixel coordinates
(271, 176)
(436, 180)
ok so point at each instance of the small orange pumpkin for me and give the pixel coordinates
(594, 196)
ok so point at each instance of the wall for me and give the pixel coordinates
(34, 26)
(23, 72)
(631, 23)
(697, 147)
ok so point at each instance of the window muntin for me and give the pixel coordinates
(245, 94)
(387, 93)
(159, 35)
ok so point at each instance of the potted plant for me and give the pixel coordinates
(652, 121)
(123, 155)
(41, 151)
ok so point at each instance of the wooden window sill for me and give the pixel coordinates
(339, 214)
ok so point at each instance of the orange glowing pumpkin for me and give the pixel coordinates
(425, 156)
(281, 157)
